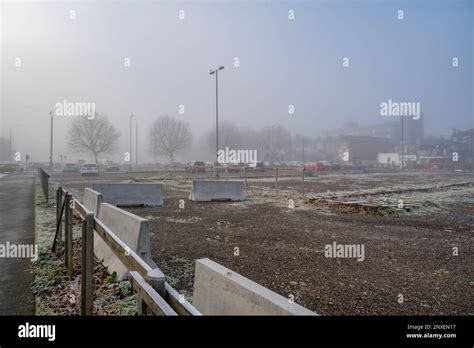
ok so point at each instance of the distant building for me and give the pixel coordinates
(462, 142)
(395, 159)
(363, 148)
(391, 158)
(413, 130)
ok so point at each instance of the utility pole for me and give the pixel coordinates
(217, 123)
(403, 146)
(289, 147)
(136, 143)
(303, 151)
(216, 71)
(51, 144)
(10, 148)
(130, 154)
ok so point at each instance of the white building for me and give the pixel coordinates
(392, 158)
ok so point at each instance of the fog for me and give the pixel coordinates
(282, 62)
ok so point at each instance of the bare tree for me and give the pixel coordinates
(95, 135)
(5, 154)
(229, 135)
(273, 142)
(168, 135)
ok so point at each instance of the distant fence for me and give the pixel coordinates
(236, 172)
(44, 178)
(154, 294)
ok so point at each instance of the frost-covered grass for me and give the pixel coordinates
(58, 294)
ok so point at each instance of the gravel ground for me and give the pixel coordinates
(409, 255)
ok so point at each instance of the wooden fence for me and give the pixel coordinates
(246, 173)
(44, 178)
(146, 281)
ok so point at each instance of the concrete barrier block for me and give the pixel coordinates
(220, 291)
(217, 190)
(131, 229)
(131, 194)
(92, 200)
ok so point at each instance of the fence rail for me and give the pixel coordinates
(44, 178)
(154, 294)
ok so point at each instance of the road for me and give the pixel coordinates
(17, 226)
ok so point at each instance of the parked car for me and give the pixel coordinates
(70, 168)
(112, 168)
(89, 169)
(234, 167)
(7, 168)
(258, 166)
(311, 166)
(295, 164)
(321, 166)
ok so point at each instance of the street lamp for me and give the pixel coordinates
(130, 153)
(51, 144)
(136, 144)
(403, 145)
(212, 72)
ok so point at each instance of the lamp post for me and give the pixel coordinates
(51, 144)
(403, 145)
(136, 144)
(130, 153)
(212, 72)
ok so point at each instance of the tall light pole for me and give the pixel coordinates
(136, 143)
(302, 153)
(403, 145)
(51, 144)
(10, 152)
(130, 154)
(211, 72)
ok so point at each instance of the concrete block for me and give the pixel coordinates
(217, 190)
(131, 194)
(220, 291)
(92, 200)
(131, 229)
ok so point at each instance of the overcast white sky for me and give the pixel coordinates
(282, 62)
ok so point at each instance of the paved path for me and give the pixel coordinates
(17, 225)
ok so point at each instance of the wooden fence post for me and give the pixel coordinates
(276, 181)
(156, 279)
(87, 276)
(245, 178)
(142, 308)
(227, 173)
(302, 181)
(44, 178)
(59, 203)
(68, 235)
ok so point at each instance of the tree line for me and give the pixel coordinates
(169, 136)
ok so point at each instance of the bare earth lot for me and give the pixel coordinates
(408, 253)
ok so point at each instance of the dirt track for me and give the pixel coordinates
(283, 248)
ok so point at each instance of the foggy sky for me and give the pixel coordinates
(282, 62)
